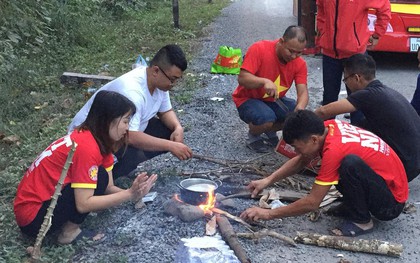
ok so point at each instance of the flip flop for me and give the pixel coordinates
(89, 235)
(350, 229)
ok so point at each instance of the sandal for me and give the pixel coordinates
(259, 146)
(350, 229)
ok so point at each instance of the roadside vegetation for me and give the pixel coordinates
(39, 40)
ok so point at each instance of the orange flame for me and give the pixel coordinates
(211, 200)
(177, 198)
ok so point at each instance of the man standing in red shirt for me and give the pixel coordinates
(343, 31)
(416, 97)
(366, 171)
(269, 69)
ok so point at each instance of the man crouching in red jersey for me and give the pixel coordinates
(353, 160)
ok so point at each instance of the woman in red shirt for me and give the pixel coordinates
(84, 190)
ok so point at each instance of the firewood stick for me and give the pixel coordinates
(285, 195)
(229, 236)
(266, 232)
(213, 160)
(218, 170)
(244, 194)
(237, 219)
(226, 162)
(373, 246)
(46, 224)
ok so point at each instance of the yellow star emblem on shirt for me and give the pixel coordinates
(280, 88)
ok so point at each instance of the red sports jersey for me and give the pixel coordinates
(262, 61)
(344, 139)
(38, 183)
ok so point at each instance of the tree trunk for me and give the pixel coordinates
(175, 11)
(229, 236)
(266, 232)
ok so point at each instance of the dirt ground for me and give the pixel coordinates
(214, 129)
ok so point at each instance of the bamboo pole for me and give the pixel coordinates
(46, 224)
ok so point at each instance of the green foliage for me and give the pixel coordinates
(39, 40)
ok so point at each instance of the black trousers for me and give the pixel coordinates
(65, 209)
(128, 158)
(365, 192)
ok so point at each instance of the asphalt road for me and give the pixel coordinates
(246, 21)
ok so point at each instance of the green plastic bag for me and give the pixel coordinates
(228, 61)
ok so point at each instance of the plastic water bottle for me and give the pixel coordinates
(139, 62)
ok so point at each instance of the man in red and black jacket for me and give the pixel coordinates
(342, 31)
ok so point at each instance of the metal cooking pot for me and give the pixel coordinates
(194, 191)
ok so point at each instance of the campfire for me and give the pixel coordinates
(187, 212)
(209, 204)
(217, 220)
(207, 209)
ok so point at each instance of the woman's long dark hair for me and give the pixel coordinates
(106, 107)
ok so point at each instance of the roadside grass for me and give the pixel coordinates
(36, 108)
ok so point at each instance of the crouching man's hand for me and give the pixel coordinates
(257, 186)
(181, 151)
(256, 213)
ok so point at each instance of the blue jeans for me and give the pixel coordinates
(258, 112)
(332, 72)
(416, 97)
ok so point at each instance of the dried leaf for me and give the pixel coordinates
(15, 38)
(45, 104)
(98, 236)
(273, 195)
(211, 226)
(12, 139)
(104, 73)
(139, 205)
(409, 208)
(67, 103)
(332, 195)
(263, 201)
(314, 215)
(88, 84)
